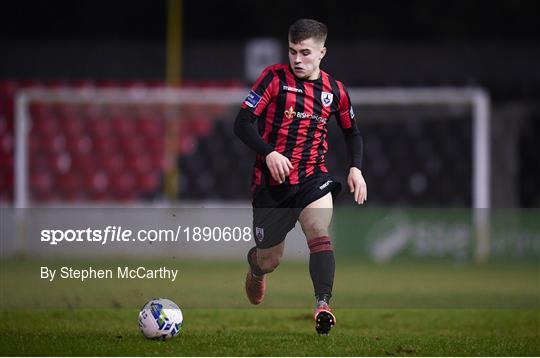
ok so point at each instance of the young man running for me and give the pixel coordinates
(291, 105)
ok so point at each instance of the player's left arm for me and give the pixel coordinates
(355, 180)
(355, 147)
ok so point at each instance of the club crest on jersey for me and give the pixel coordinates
(259, 233)
(327, 98)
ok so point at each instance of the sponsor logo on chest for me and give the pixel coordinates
(291, 113)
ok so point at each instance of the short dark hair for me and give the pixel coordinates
(304, 29)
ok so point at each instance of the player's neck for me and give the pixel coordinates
(315, 75)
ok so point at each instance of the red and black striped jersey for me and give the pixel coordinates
(292, 118)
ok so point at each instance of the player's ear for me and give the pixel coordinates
(323, 52)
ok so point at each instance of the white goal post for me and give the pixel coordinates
(479, 100)
(476, 98)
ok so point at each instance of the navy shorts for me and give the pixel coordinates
(277, 208)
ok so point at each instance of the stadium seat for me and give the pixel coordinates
(65, 110)
(61, 163)
(8, 88)
(123, 126)
(151, 127)
(96, 184)
(41, 184)
(48, 161)
(158, 162)
(131, 144)
(71, 124)
(69, 185)
(148, 183)
(91, 111)
(38, 110)
(46, 125)
(52, 144)
(155, 145)
(84, 163)
(139, 163)
(112, 162)
(122, 186)
(39, 161)
(6, 186)
(201, 125)
(102, 145)
(78, 144)
(98, 127)
(6, 143)
(3, 121)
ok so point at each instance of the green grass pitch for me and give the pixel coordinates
(398, 309)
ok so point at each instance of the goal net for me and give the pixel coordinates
(72, 143)
(425, 147)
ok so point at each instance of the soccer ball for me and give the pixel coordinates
(160, 318)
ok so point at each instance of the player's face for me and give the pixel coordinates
(305, 58)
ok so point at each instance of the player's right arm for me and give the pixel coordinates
(262, 92)
(279, 165)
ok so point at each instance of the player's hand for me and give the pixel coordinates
(357, 185)
(279, 165)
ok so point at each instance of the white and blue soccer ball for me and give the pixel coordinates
(161, 319)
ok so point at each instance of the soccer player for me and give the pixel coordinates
(292, 104)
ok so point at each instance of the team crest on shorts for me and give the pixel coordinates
(259, 233)
(326, 98)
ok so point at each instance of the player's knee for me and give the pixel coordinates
(268, 264)
(315, 229)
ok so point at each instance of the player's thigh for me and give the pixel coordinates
(316, 217)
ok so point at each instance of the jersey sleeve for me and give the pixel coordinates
(345, 113)
(261, 93)
(353, 137)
